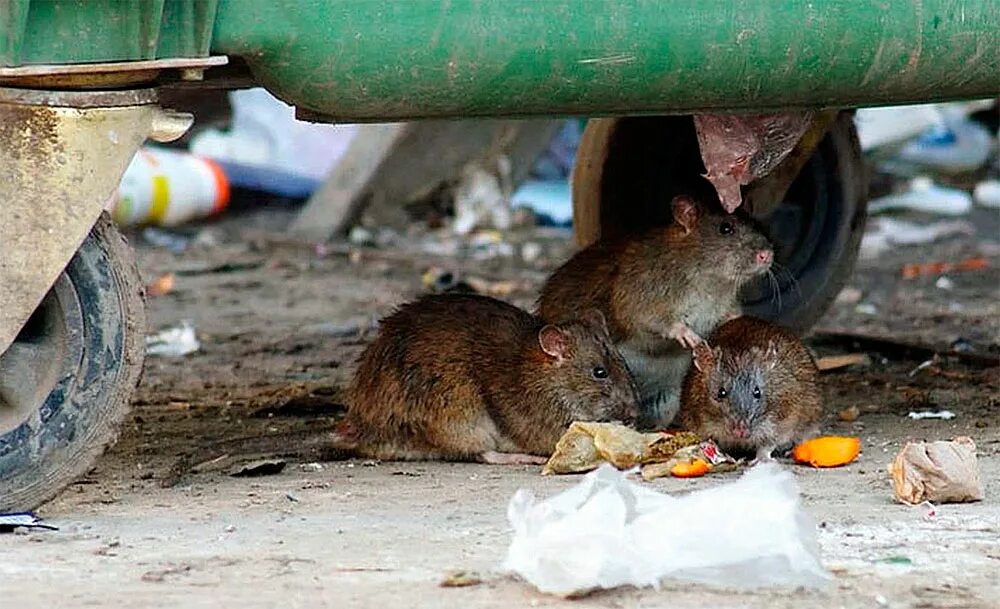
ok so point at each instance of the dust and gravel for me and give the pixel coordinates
(278, 325)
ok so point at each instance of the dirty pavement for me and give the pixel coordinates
(161, 522)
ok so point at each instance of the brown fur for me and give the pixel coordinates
(456, 376)
(788, 378)
(687, 272)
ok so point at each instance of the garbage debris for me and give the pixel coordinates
(167, 240)
(607, 532)
(987, 194)
(911, 271)
(552, 201)
(166, 187)
(267, 149)
(460, 579)
(879, 127)
(944, 283)
(827, 451)
(738, 149)
(923, 195)
(482, 197)
(586, 445)
(177, 341)
(882, 234)
(837, 362)
(957, 145)
(945, 415)
(160, 286)
(939, 472)
(27, 520)
(256, 469)
(849, 414)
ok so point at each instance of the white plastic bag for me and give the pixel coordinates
(608, 532)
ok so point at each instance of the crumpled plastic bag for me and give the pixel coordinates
(607, 532)
(939, 472)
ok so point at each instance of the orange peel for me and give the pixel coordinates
(693, 469)
(827, 451)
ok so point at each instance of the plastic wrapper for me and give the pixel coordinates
(939, 472)
(607, 532)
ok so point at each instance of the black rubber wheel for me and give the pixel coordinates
(67, 380)
(628, 168)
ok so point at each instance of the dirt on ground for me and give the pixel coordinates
(161, 523)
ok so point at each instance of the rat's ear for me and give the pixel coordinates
(554, 342)
(595, 319)
(704, 356)
(685, 212)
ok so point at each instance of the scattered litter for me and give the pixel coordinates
(164, 284)
(945, 415)
(586, 445)
(460, 579)
(827, 451)
(27, 520)
(922, 366)
(256, 469)
(944, 283)
(923, 195)
(165, 239)
(977, 263)
(607, 532)
(882, 234)
(987, 194)
(866, 308)
(551, 201)
(849, 296)
(941, 472)
(957, 145)
(177, 341)
(531, 252)
(311, 467)
(360, 235)
(169, 187)
(267, 149)
(836, 362)
(896, 560)
(849, 415)
(482, 197)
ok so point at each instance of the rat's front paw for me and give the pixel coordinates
(687, 337)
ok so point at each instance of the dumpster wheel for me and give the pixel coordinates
(627, 169)
(66, 381)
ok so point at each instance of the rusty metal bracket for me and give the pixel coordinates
(62, 155)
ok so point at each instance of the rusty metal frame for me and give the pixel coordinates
(62, 155)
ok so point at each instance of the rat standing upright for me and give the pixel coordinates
(660, 292)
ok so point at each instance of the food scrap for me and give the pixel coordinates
(586, 445)
(827, 451)
(694, 469)
(911, 271)
(940, 472)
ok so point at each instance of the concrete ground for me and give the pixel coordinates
(146, 530)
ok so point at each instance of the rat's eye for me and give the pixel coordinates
(600, 372)
(722, 393)
(726, 228)
(756, 393)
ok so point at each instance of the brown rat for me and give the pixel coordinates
(753, 387)
(466, 377)
(660, 291)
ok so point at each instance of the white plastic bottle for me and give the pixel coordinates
(167, 188)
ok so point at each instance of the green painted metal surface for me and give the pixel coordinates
(84, 31)
(397, 59)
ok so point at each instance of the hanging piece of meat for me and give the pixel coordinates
(740, 148)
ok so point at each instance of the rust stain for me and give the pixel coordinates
(29, 131)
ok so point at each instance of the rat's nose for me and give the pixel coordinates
(765, 257)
